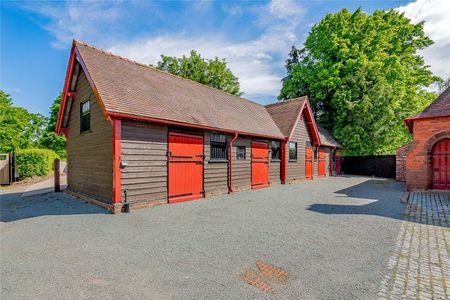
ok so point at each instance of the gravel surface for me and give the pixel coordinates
(333, 236)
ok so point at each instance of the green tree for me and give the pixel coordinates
(363, 76)
(19, 129)
(212, 72)
(49, 139)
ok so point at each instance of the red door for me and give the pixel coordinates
(441, 165)
(260, 165)
(185, 159)
(309, 163)
(321, 164)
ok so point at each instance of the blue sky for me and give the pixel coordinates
(254, 37)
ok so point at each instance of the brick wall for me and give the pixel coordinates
(400, 163)
(418, 160)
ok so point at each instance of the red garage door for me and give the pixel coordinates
(441, 165)
(321, 165)
(309, 163)
(185, 158)
(260, 165)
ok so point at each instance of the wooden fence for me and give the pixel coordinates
(378, 166)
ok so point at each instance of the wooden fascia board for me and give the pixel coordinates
(183, 124)
(311, 122)
(66, 89)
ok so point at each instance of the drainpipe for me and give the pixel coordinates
(230, 172)
(283, 161)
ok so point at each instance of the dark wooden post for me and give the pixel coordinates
(57, 184)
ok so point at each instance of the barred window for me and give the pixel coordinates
(85, 116)
(219, 149)
(276, 150)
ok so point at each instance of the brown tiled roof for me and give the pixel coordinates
(285, 113)
(127, 87)
(326, 138)
(439, 107)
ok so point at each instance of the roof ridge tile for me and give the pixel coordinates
(287, 100)
(161, 71)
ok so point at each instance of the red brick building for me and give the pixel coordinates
(428, 156)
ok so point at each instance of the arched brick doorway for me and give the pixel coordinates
(440, 157)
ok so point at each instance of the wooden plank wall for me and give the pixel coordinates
(242, 169)
(144, 148)
(296, 170)
(215, 173)
(274, 168)
(90, 160)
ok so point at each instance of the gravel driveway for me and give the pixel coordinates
(333, 236)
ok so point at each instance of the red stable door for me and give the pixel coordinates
(309, 163)
(441, 165)
(260, 165)
(321, 167)
(185, 167)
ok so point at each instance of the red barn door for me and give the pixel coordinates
(260, 165)
(441, 165)
(321, 166)
(309, 163)
(185, 158)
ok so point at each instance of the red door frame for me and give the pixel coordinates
(260, 164)
(309, 153)
(440, 172)
(192, 181)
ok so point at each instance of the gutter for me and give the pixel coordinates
(409, 121)
(184, 124)
(230, 165)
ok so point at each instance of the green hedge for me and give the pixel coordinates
(35, 162)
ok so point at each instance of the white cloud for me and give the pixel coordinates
(86, 20)
(258, 62)
(437, 27)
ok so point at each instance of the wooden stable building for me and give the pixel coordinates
(138, 135)
(425, 163)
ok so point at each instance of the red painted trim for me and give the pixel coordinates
(156, 120)
(117, 184)
(66, 89)
(230, 173)
(283, 161)
(185, 198)
(310, 122)
(65, 132)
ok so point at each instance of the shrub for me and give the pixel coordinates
(35, 162)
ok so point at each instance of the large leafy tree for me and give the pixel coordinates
(50, 139)
(363, 76)
(212, 72)
(19, 128)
